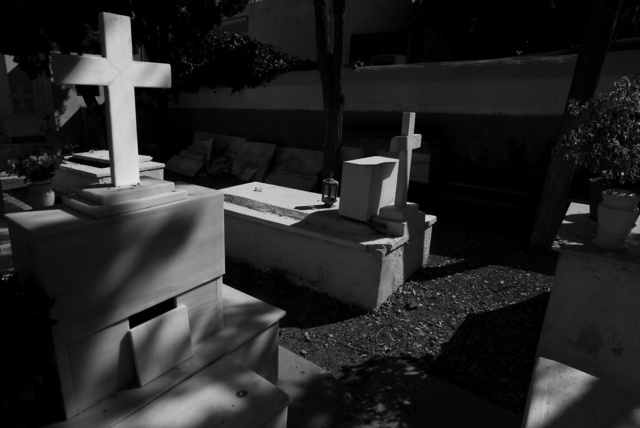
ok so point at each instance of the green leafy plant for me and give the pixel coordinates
(41, 165)
(607, 138)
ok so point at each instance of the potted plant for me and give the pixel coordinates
(607, 142)
(38, 169)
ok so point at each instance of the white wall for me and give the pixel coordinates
(511, 86)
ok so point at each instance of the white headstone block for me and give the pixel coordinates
(368, 184)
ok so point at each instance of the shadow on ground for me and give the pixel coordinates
(318, 399)
(397, 392)
(305, 308)
(491, 357)
(487, 238)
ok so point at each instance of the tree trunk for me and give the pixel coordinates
(331, 65)
(593, 51)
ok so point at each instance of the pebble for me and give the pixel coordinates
(412, 305)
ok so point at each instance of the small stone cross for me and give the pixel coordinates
(120, 74)
(404, 145)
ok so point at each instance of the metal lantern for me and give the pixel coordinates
(330, 191)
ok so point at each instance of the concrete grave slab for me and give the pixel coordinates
(592, 320)
(290, 230)
(223, 394)
(561, 395)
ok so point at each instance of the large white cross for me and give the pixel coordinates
(404, 145)
(120, 74)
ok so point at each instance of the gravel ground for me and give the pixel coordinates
(472, 316)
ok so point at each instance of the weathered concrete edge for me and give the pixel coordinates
(318, 232)
(264, 207)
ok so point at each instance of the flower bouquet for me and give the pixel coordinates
(39, 166)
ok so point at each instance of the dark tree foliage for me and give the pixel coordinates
(501, 28)
(232, 60)
(179, 32)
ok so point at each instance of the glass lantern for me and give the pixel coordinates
(330, 191)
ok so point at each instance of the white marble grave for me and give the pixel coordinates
(146, 333)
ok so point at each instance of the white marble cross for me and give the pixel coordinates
(404, 145)
(120, 74)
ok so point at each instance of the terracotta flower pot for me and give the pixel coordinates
(41, 194)
(617, 214)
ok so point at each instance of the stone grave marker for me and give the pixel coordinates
(368, 184)
(402, 217)
(120, 75)
(404, 146)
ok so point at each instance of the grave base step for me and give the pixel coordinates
(224, 394)
(244, 351)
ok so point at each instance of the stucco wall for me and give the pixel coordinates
(492, 121)
(514, 86)
(290, 24)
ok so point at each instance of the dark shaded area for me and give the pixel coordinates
(464, 147)
(501, 28)
(152, 312)
(305, 308)
(490, 355)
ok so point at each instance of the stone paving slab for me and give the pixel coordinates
(402, 398)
